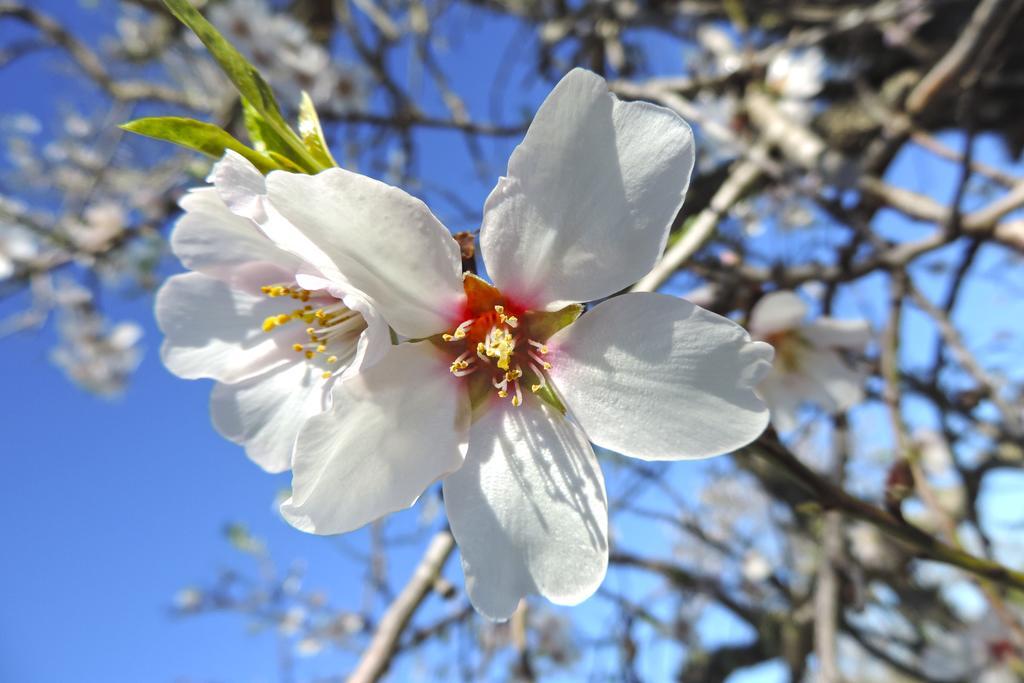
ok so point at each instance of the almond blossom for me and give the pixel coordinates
(273, 330)
(500, 389)
(809, 358)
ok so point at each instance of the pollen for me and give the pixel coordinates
(329, 324)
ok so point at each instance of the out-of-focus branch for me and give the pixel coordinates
(742, 175)
(988, 18)
(377, 657)
(91, 63)
(831, 497)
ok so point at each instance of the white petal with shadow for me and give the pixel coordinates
(265, 413)
(528, 509)
(391, 432)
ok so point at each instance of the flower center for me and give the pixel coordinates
(789, 346)
(497, 344)
(332, 327)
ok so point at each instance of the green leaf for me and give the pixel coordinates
(264, 138)
(312, 133)
(198, 135)
(247, 80)
(244, 75)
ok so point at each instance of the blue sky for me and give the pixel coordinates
(113, 506)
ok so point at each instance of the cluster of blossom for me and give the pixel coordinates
(111, 203)
(94, 355)
(285, 53)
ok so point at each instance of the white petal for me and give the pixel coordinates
(264, 413)
(777, 312)
(215, 331)
(782, 402)
(590, 195)
(528, 510)
(837, 334)
(243, 189)
(375, 341)
(655, 377)
(840, 386)
(383, 241)
(391, 432)
(238, 183)
(212, 240)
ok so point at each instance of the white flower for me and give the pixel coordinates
(872, 549)
(18, 246)
(478, 392)
(722, 48)
(936, 458)
(103, 223)
(797, 76)
(756, 567)
(272, 329)
(809, 366)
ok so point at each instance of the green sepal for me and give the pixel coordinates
(200, 136)
(247, 81)
(312, 133)
(548, 395)
(543, 324)
(243, 74)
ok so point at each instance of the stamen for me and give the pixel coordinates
(461, 363)
(460, 331)
(541, 382)
(543, 363)
(509, 320)
(541, 348)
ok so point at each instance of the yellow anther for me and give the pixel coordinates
(512, 321)
(499, 344)
(535, 388)
(332, 359)
(321, 348)
(309, 355)
(298, 347)
(516, 401)
(326, 375)
(269, 323)
(502, 393)
(546, 365)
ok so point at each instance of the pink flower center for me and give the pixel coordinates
(494, 345)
